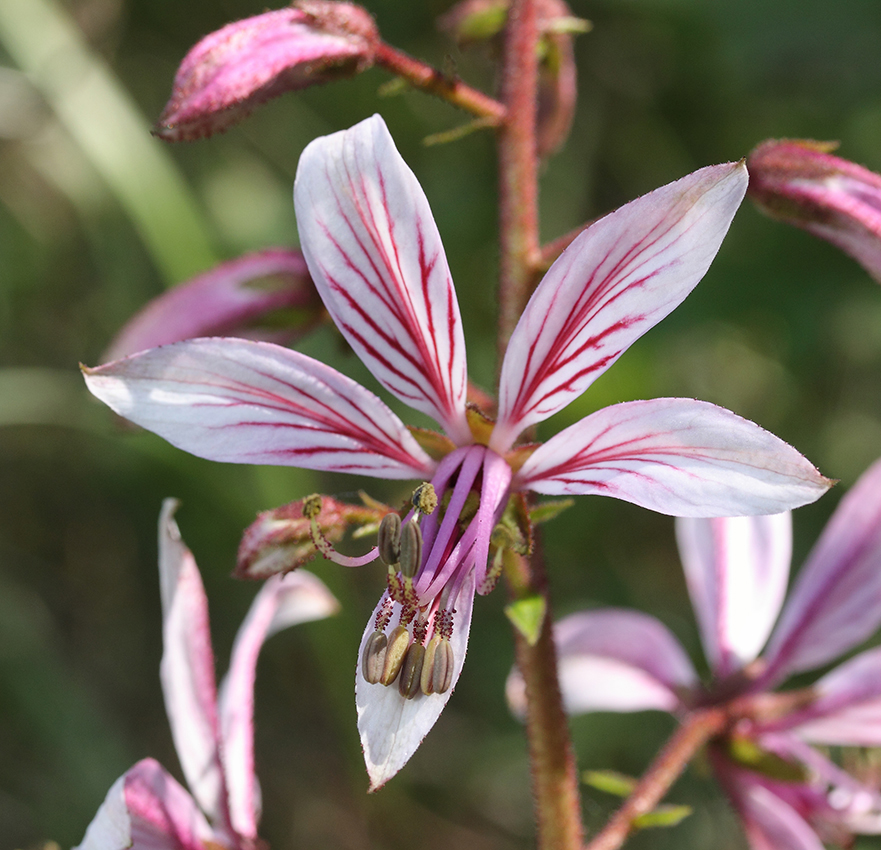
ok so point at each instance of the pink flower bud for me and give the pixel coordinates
(800, 182)
(242, 297)
(248, 62)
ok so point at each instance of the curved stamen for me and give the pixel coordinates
(311, 509)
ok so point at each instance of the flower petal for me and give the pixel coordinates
(391, 727)
(675, 456)
(737, 570)
(146, 809)
(282, 601)
(612, 659)
(619, 278)
(253, 402)
(377, 260)
(836, 601)
(229, 300)
(187, 669)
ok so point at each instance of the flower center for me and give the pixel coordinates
(430, 555)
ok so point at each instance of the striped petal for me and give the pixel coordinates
(391, 727)
(282, 601)
(836, 601)
(614, 660)
(619, 278)
(146, 809)
(737, 570)
(377, 260)
(251, 402)
(187, 669)
(675, 456)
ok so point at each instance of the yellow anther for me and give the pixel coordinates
(398, 642)
(373, 659)
(437, 668)
(424, 498)
(411, 671)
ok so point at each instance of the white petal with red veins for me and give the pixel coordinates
(377, 260)
(187, 669)
(675, 456)
(836, 601)
(619, 278)
(391, 727)
(253, 402)
(284, 600)
(737, 570)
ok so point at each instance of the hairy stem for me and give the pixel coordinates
(428, 79)
(692, 734)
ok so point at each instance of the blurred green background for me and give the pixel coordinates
(96, 217)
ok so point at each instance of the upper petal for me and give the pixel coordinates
(187, 669)
(253, 402)
(377, 260)
(614, 660)
(675, 456)
(836, 601)
(282, 601)
(146, 809)
(391, 727)
(737, 569)
(619, 278)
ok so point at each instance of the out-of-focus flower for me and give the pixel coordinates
(471, 21)
(789, 795)
(265, 295)
(801, 182)
(246, 63)
(146, 808)
(377, 260)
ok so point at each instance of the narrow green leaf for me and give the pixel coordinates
(527, 615)
(609, 781)
(662, 816)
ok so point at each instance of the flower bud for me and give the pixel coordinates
(248, 62)
(800, 182)
(237, 298)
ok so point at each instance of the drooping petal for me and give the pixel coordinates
(737, 569)
(612, 659)
(770, 822)
(847, 710)
(253, 402)
(248, 62)
(232, 299)
(282, 601)
(376, 257)
(675, 456)
(619, 278)
(836, 601)
(146, 809)
(187, 669)
(391, 727)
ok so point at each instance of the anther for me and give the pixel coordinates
(312, 506)
(373, 659)
(411, 549)
(389, 539)
(398, 642)
(411, 672)
(424, 498)
(437, 669)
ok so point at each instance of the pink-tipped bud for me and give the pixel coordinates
(280, 540)
(248, 62)
(800, 182)
(266, 295)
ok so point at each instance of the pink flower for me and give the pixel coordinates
(789, 795)
(248, 62)
(238, 297)
(800, 182)
(376, 257)
(146, 808)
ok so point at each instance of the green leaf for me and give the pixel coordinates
(609, 781)
(527, 615)
(664, 816)
(549, 510)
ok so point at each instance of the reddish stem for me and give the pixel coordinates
(422, 76)
(693, 733)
